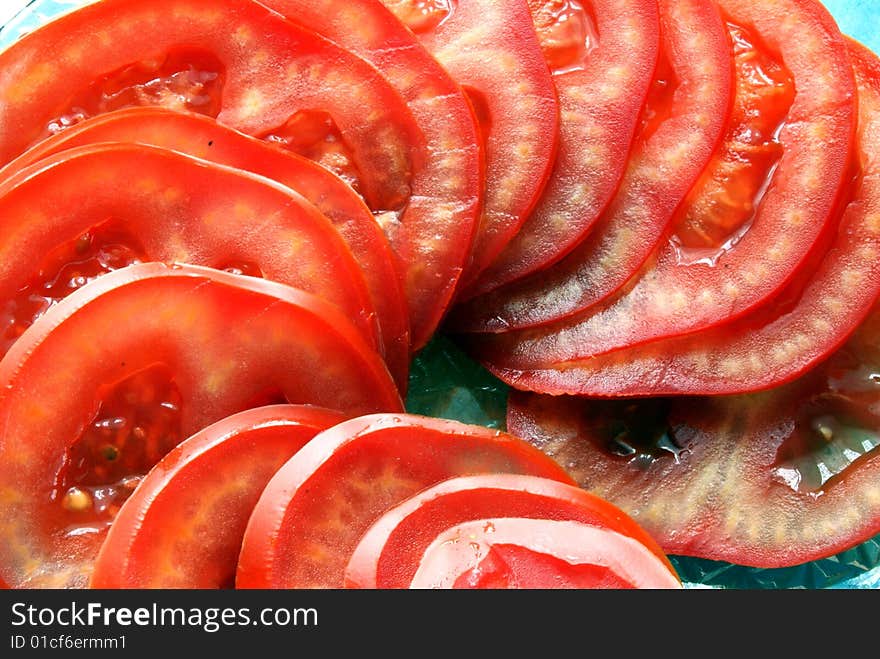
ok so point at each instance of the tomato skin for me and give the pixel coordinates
(218, 334)
(316, 507)
(507, 79)
(204, 138)
(270, 70)
(436, 229)
(670, 299)
(180, 209)
(388, 554)
(182, 526)
(598, 125)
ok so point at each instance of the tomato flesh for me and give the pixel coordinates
(224, 339)
(314, 510)
(183, 526)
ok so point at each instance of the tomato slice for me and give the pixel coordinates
(491, 50)
(405, 548)
(435, 231)
(314, 510)
(264, 71)
(603, 62)
(811, 318)
(682, 122)
(182, 527)
(773, 479)
(687, 289)
(203, 137)
(167, 207)
(115, 375)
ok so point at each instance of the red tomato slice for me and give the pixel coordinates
(434, 233)
(182, 527)
(203, 137)
(160, 205)
(317, 506)
(812, 317)
(491, 49)
(111, 378)
(682, 123)
(768, 480)
(685, 290)
(603, 62)
(233, 59)
(399, 548)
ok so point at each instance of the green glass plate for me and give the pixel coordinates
(445, 383)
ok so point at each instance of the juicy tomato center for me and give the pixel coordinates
(567, 32)
(722, 204)
(102, 249)
(835, 426)
(422, 16)
(137, 422)
(659, 101)
(512, 566)
(183, 79)
(639, 432)
(314, 134)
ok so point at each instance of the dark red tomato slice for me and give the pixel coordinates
(433, 234)
(315, 509)
(403, 548)
(203, 137)
(603, 62)
(682, 123)
(768, 480)
(182, 527)
(491, 49)
(97, 208)
(232, 59)
(810, 319)
(769, 225)
(111, 378)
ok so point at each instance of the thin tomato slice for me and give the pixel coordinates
(682, 124)
(182, 527)
(603, 62)
(433, 234)
(317, 506)
(232, 59)
(810, 319)
(491, 49)
(683, 292)
(203, 137)
(396, 550)
(161, 205)
(111, 378)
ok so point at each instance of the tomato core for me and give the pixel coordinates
(723, 203)
(70, 266)
(188, 79)
(137, 422)
(567, 32)
(422, 16)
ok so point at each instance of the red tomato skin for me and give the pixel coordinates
(435, 231)
(204, 138)
(201, 323)
(147, 546)
(389, 552)
(281, 550)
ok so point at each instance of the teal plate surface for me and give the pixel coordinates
(446, 383)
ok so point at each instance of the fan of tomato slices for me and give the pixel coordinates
(232, 228)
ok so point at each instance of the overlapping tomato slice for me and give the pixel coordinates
(475, 531)
(182, 527)
(203, 137)
(113, 377)
(491, 49)
(795, 210)
(314, 510)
